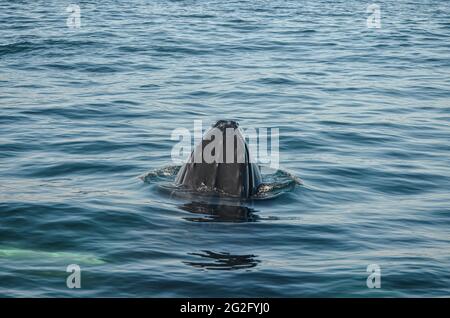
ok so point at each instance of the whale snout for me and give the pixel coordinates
(222, 163)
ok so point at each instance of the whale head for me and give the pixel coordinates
(221, 162)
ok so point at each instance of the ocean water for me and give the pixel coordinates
(363, 115)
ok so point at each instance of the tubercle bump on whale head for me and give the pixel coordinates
(223, 124)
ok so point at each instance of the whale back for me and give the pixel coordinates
(239, 177)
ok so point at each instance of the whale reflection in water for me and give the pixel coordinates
(219, 212)
(223, 261)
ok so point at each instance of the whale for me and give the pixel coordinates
(221, 163)
(37, 255)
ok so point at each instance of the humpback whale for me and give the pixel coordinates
(222, 163)
(35, 255)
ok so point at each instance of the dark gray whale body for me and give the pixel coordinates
(239, 177)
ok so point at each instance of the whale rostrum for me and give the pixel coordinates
(222, 162)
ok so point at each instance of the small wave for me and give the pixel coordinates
(277, 81)
(180, 50)
(74, 167)
(16, 47)
(50, 44)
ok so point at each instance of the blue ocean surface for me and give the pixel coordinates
(363, 116)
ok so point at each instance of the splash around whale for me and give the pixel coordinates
(222, 165)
